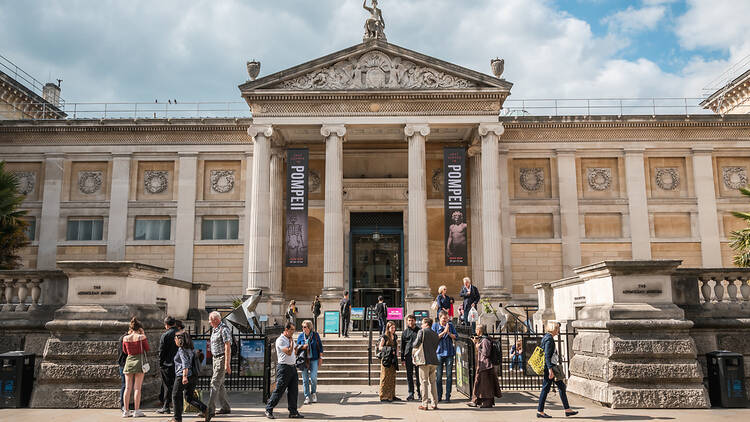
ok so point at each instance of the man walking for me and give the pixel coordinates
(381, 311)
(221, 349)
(286, 375)
(429, 340)
(167, 352)
(470, 294)
(446, 353)
(408, 337)
(346, 313)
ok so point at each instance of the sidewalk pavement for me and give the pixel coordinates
(360, 403)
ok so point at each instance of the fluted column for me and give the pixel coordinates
(333, 225)
(493, 253)
(418, 258)
(257, 272)
(277, 221)
(477, 253)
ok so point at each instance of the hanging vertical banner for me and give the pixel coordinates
(297, 161)
(454, 169)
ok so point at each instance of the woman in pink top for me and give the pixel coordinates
(135, 344)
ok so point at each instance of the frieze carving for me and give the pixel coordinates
(89, 181)
(667, 178)
(222, 181)
(734, 177)
(26, 181)
(532, 179)
(437, 180)
(599, 178)
(155, 181)
(313, 181)
(375, 69)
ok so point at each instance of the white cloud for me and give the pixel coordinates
(634, 20)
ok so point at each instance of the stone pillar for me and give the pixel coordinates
(276, 261)
(184, 239)
(49, 228)
(491, 240)
(248, 209)
(333, 225)
(505, 223)
(117, 228)
(418, 290)
(258, 253)
(569, 222)
(477, 258)
(635, 176)
(708, 220)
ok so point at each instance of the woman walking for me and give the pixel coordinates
(309, 343)
(185, 377)
(486, 386)
(388, 346)
(135, 344)
(291, 312)
(552, 372)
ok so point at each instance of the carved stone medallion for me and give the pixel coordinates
(156, 181)
(222, 181)
(26, 181)
(667, 178)
(734, 177)
(89, 181)
(599, 178)
(313, 181)
(375, 69)
(532, 179)
(437, 180)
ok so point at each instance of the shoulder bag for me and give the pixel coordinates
(417, 354)
(144, 365)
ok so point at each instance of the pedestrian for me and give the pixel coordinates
(167, 352)
(428, 340)
(471, 297)
(185, 378)
(552, 372)
(388, 346)
(221, 349)
(315, 308)
(446, 353)
(381, 312)
(309, 343)
(516, 355)
(408, 337)
(443, 301)
(451, 314)
(286, 375)
(291, 312)
(345, 306)
(486, 386)
(121, 359)
(135, 345)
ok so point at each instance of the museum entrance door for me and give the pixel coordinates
(376, 259)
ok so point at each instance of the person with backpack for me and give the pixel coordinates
(186, 375)
(486, 386)
(221, 349)
(446, 353)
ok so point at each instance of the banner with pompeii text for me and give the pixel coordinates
(297, 161)
(454, 169)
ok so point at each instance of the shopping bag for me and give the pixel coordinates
(536, 361)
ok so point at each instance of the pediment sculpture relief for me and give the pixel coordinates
(374, 70)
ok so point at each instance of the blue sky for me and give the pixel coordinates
(139, 50)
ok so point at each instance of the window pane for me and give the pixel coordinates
(165, 229)
(97, 229)
(140, 230)
(72, 230)
(233, 228)
(152, 229)
(207, 227)
(31, 228)
(220, 229)
(85, 229)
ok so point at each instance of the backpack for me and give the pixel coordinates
(496, 354)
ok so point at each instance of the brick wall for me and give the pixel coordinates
(535, 262)
(595, 252)
(82, 253)
(688, 252)
(221, 267)
(157, 255)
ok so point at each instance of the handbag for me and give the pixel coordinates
(145, 365)
(434, 305)
(417, 355)
(536, 361)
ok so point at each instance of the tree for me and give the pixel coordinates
(12, 225)
(741, 238)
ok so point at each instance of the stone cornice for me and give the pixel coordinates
(125, 125)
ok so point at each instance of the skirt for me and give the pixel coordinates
(133, 364)
(387, 383)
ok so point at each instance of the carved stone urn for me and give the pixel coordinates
(498, 66)
(253, 68)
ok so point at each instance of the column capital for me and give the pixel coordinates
(278, 153)
(328, 130)
(411, 129)
(497, 128)
(254, 130)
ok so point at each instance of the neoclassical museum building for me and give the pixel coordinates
(380, 171)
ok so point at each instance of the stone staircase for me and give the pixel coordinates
(345, 362)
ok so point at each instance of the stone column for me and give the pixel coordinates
(477, 258)
(49, 228)
(491, 240)
(276, 261)
(184, 239)
(333, 224)
(640, 232)
(246, 226)
(505, 223)
(569, 222)
(117, 228)
(258, 253)
(708, 220)
(418, 287)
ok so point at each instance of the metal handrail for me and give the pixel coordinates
(24, 77)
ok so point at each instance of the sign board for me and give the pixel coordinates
(296, 207)
(358, 314)
(203, 346)
(463, 373)
(395, 314)
(252, 357)
(418, 315)
(529, 345)
(371, 315)
(331, 322)
(456, 228)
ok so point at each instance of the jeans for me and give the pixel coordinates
(516, 361)
(218, 392)
(122, 388)
(447, 362)
(310, 378)
(286, 379)
(381, 325)
(188, 390)
(412, 372)
(546, 385)
(345, 326)
(167, 383)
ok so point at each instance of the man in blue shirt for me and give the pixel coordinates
(446, 353)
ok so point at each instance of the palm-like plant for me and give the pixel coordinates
(12, 226)
(741, 238)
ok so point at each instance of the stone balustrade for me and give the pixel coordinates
(723, 287)
(23, 291)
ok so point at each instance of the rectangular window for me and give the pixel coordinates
(220, 228)
(85, 229)
(153, 228)
(30, 228)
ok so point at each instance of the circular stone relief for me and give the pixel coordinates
(734, 177)
(599, 178)
(222, 181)
(89, 182)
(155, 181)
(26, 180)
(667, 178)
(532, 179)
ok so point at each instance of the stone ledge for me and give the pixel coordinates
(104, 374)
(634, 396)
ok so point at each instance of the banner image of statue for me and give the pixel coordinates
(296, 207)
(456, 228)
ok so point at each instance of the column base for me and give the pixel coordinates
(332, 293)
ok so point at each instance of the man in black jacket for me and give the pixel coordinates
(346, 308)
(381, 311)
(470, 294)
(167, 352)
(408, 338)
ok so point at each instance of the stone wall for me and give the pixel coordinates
(221, 267)
(533, 263)
(158, 255)
(688, 252)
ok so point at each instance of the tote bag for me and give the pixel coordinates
(417, 355)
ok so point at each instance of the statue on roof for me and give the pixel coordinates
(375, 25)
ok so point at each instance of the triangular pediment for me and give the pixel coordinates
(375, 65)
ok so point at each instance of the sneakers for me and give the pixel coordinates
(269, 414)
(163, 410)
(127, 413)
(138, 414)
(314, 397)
(307, 400)
(295, 416)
